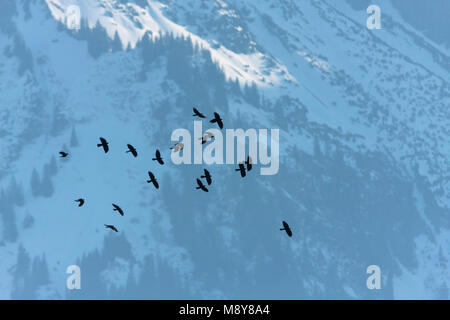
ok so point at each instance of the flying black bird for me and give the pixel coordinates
(103, 144)
(80, 202)
(132, 150)
(206, 137)
(158, 157)
(118, 209)
(63, 154)
(217, 119)
(287, 229)
(108, 226)
(198, 113)
(249, 163)
(208, 177)
(241, 169)
(179, 146)
(201, 185)
(153, 180)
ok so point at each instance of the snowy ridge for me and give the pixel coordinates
(131, 22)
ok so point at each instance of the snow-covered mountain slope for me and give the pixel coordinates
(363, 119)
(131, 22)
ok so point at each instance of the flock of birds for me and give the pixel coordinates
(244, 167)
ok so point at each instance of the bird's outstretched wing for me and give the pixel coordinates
(108, 226)
(158, 157)
(153, 180)
(207, 176)
(118, 209)
(217, 119)
(201, 185)
(289, 232)
(104, 144)
(241, 169)
(198, 113)
(249, 163)
(287, 229)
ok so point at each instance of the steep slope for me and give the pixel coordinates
(363, 148)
